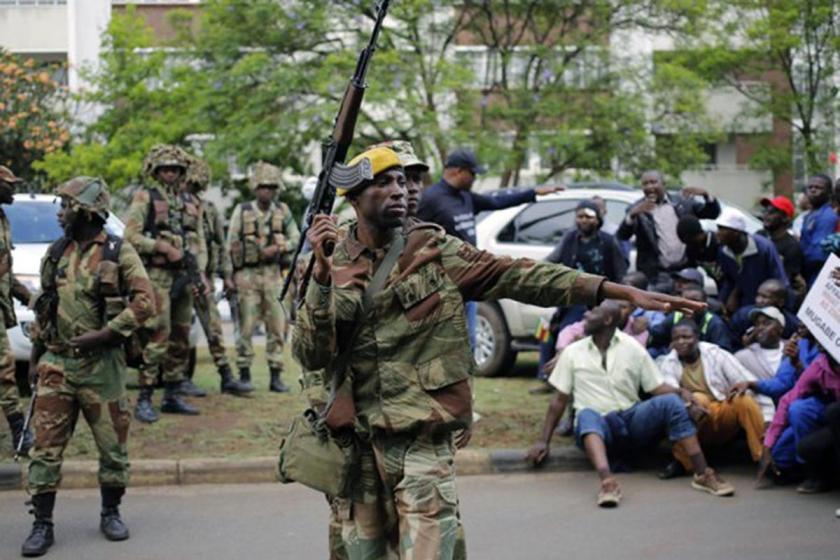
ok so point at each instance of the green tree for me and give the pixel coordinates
(32, 120)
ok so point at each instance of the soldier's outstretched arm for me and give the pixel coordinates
(314, 339)
(481, 275)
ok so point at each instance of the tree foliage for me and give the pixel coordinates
(32, 122)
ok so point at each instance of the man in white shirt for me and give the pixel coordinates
(604, 374)
(764, 345)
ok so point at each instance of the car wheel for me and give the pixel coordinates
(492, 352)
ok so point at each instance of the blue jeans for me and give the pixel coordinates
(804, 416)
(642, 425)
(471, 308)
(547, 352)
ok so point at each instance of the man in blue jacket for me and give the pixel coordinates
(745, 261)
(451, 204)
(820, 222)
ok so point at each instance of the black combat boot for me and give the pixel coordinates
(110, 523)
(231, 385)
(16, 422)
(245, 378)
(190, 389)
(41, 537)
(276, 384)
(144, 411)
(173, 403)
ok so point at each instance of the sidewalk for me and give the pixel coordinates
(162, 472)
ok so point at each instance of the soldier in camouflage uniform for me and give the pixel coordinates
(156, 224)
(410, 365)
(9, 288)
(95, 294)
(261, 235)
(215, 260)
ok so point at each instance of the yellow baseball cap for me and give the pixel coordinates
(381, 159)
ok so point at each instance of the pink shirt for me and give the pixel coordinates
(574, 332)
(818, 379)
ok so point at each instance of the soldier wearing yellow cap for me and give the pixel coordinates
(261, 237)
(10, 288)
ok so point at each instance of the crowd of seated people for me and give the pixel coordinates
(625, 381)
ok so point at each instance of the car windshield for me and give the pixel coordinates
(36, 221)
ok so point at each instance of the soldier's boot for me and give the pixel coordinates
(110, 522)
(16, 422)
(245, 378)
(276, 384)
(41, 537)
(173, 403)
(190, 389)
(231, 385)
(144, 412)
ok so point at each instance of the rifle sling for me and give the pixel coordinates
(339, 367)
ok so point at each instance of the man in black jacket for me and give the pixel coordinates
(653, 220)
(588, 249)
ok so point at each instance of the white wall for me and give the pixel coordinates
(34, 29)
(736, 184)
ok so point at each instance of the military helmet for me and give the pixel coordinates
(87, 193)
(198, 172)
(405, 151)
(265, 174)
(162, 155)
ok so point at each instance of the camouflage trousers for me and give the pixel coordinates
(168, 352)
(404, 504)
(217, 348)
(94, 386)
(258, 289)
(9, 398)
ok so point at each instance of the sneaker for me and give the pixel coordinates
(813, 486)
(673, 469)
(610, 494)
(711, 482)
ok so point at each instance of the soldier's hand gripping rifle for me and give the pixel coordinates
(335, 150)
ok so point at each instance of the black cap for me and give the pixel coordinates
(463, 157)
(590, 205)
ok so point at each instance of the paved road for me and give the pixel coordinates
(534, 517)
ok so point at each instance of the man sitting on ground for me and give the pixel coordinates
(709, 373)
(713, 329)
(604, 374)
(763, 345)
(771, 293)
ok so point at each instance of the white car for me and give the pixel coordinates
(34, 223)
(532, 230)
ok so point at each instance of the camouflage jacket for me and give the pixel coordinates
(162, 216)
(251, 230)
(410, 365)
(9, 285)
(218, 259)
(91, 292)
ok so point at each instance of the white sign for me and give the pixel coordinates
(820, 311)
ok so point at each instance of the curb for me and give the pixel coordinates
(165, 472)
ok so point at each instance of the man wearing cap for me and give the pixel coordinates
(261, 236)
(771, 293)
(156, 224)
(10, 288)
(653, 220)
(407, 382)
(778, 213)
(706, 374)
(764, 351)
(711, 328)
(589, 249)
(745, 260)
(820, 222)
(451, 204)
(95, 294)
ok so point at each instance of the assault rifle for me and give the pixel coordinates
(30, 411)
(335, 150)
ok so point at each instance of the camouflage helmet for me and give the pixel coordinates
(87, 193)
(405, 151)
(264, 173)
(162, 155)
(198, 172)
